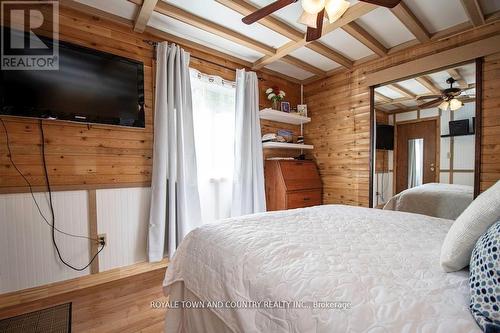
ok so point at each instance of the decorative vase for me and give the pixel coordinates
(276, 105)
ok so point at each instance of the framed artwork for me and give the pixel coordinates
(302, 109)
(285, 107)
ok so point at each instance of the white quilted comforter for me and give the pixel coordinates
(446, 201)
(385, 263)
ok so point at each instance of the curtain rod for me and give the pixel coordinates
(154, 44)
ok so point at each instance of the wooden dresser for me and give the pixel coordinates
(292, 184)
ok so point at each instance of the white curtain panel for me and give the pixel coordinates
(248, 179)
(175, 203)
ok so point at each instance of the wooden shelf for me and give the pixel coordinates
(284, 145)
(283, 117)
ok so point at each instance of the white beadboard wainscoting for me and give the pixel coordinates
(122, 214)
(27, 256)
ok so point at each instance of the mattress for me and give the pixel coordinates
(383, 264)
(439, 200)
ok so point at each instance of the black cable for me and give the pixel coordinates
(52, 225)
(52, 210)
(32, 192)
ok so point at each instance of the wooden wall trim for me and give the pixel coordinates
(372, 145)
(61, 188)
(478, 126)
(94, 246)
(442, 59)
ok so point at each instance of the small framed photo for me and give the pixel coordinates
(285, 107)
(302, 109)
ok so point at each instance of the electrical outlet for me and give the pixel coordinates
(103, 238)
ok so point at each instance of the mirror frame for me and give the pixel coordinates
(477, 128)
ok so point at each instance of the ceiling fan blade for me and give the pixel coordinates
(420, 98)
(267, 10)
(431, 104)
(312, 33)
(384, 3)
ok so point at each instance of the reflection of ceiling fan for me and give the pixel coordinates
(448, 98)
(314, 12)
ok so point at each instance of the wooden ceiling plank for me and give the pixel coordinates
(354, 12)
(455, 74)
(303, 65)
(410, 21)
(429, 84)
(356, 31)
(473, 10)
(244, 8)
(400, 90)
(144, 15)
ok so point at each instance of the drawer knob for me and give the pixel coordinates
(307, 199)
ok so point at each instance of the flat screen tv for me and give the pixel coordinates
(90, 86)
(385, 137)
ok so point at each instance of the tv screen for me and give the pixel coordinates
(385, 137)
(90, 86)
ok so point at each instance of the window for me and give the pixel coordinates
(213, 117)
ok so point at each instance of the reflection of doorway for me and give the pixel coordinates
(406, 133)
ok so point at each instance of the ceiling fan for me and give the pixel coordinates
(449, 98)
(314, 12)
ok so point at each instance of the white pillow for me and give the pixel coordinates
(468, 227)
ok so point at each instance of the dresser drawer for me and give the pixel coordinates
(303, 199)
(300, 175)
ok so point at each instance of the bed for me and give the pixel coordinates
(446, 201)
(383, 265)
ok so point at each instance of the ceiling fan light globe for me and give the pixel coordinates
(335, 9)
(455, 104)
(313, 6)
(308, 19)
(444, 106)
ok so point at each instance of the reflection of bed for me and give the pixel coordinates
(446, 201)
(385, 263)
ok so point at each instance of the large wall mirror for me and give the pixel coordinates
(424, 135)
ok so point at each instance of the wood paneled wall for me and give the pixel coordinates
(77, 154)
(340, 110)
(490, 145)
(98, 156)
